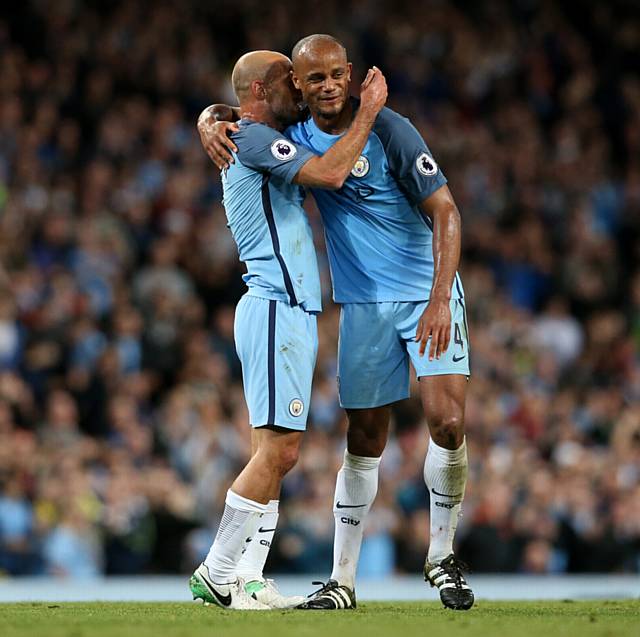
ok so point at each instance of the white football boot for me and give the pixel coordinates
(230, 596)
(266, 592)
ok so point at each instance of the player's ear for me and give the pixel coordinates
(296, 80)
(349, 67)
(258, 90)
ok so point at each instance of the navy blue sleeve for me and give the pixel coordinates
(410, 160)
(265, 149)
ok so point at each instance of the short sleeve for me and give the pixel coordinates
(410, 160)
(267, 150)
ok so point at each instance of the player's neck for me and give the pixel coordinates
(260, 112)
(336, 124)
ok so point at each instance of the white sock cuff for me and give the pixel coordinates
(239, 503)
(360, 463)
(273, 506)
(449, 456)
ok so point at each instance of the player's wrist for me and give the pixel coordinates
(440, 295)
(367, 114)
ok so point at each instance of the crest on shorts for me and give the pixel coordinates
(296, 407)
(283, 150)
(426, 165)
(361, 167)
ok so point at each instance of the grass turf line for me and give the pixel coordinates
(491, 619)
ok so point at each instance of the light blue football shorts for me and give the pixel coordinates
(377, 340)
(277, 345)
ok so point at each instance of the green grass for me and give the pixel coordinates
(495, 619)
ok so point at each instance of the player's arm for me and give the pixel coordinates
(435, 321)
(327, 171)
(331, 169)
(224, 112)
(215, 123)
(268, 151)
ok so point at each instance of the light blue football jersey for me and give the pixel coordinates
(265, 215)
(378, 241)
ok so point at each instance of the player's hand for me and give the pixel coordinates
(215, 140)
(373, 91)
(435, 322)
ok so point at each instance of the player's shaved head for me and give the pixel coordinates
(316, 44)
(255, 65)
(322, 72)
(264, 88)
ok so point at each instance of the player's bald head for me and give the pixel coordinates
(322, 72)
(256, 65)
(317, 45)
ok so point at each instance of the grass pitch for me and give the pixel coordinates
(494, 619)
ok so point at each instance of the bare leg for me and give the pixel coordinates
(275, 453)
(443, 400)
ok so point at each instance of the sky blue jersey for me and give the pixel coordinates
(265, 215)
(378, 241)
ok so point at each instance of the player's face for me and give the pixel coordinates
(282, 96)
(324, 80)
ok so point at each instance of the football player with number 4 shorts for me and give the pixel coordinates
(393, 241)
(275, 325)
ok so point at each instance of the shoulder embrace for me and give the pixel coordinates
(256, 136)
(248, 129)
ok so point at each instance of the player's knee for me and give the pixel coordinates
(447, 430)
(289, 458)
(366, 441)
(368, 431)
(283, 457)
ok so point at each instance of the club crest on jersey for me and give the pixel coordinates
(426, 165)
(296, 407)
(283, 150)
(361, 167)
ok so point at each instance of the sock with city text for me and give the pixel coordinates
(251, 564)
(445, 474)
(356, 488)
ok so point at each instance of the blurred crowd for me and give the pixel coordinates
(122, 420)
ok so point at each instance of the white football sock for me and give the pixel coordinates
(239, 521)
(445, 474)
(251, 564)
(356, 488)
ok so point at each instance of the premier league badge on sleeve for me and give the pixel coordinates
(426, 165)
(283, 150)
(361, 167)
